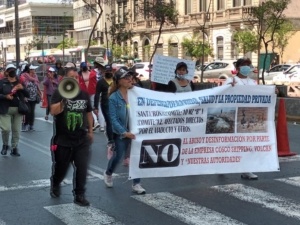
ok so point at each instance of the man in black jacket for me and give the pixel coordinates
(11, 92)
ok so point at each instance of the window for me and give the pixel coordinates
(122, 11)
(135, 10)
(146, 9)
(187, 7)
(173, 2)
(220, 4)
(202, 6)
(247, 2)
(236, 3)
(220, 48)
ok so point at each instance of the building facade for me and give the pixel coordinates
(41, 26)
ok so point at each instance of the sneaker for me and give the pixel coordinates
(137, 188)
(46, 117)
(81, 201)
(126, 162)
(108, 180)
(24, 128)
(96, 125)
(102, 129)
(249, 176)
(31, 128)
(55, 191)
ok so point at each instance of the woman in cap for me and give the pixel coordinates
(50, 83)
(119, 117)
(180, 83)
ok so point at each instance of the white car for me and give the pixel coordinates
(143, 69)
(290, 75)
(274, 71)
(218, 70)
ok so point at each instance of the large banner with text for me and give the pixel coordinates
(215, 131)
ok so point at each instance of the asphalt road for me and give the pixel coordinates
(208, 199)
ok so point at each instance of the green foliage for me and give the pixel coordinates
(67, 43)
(246, 40)
(194, 47)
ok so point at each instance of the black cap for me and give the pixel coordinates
(132, 71)
(121, 73)
(241, 61)
(108, 68)
(180, 65)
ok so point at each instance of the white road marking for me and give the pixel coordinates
(2, 222)
(72, 214)
(295, 181)
(268, 200)
(184, 210)
(43, 119)
(289, 158)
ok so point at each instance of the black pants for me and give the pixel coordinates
(29, 117)
(78, 156)
(48, 105)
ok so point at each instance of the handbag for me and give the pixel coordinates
(23, 107)
(38, 99)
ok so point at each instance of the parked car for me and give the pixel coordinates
(218, 70)
(290, 75)
(274, 71)
(143, 69)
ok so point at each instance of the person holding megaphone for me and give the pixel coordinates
(72, 136)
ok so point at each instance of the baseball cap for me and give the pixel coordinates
(51, 69)
(83, 64)
(180, 65)
(108, 68)
(100, 61)
(133, 72)
(70, 65)
(10, 66)
(32, 67)
(121, 73)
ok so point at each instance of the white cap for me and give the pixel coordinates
(51, 69)
(9, 66)
(31, 67)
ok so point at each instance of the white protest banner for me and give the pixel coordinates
(164, 68)
(215, 131)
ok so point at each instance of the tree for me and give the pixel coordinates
(68, 43)
(194, 47)
(267, 19)
(31, 44)
(246, 41)
(282, 36)
(163, 13)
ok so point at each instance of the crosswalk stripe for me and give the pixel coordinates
(295, 181)
(184, 210)
(76, 215)
(268, 200)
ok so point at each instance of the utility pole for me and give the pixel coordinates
(17, 34)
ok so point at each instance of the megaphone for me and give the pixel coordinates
(68, 88)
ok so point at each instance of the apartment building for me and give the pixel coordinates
(47, 22)
(221, 18)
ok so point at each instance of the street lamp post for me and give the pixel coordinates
(17, 34)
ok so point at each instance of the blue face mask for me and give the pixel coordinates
(181, 77)
(245, 70)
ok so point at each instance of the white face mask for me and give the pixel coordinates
(181, 77)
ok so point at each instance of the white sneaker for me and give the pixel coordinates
(137, 188)
(249, 176)
(96, 125)
(108, 180)
(102, 129)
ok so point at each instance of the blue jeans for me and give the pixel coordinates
(105, 112)
(121, 146)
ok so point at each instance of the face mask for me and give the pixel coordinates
(12, 74)
(245, 70)
(181, 77)
(108, 75)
